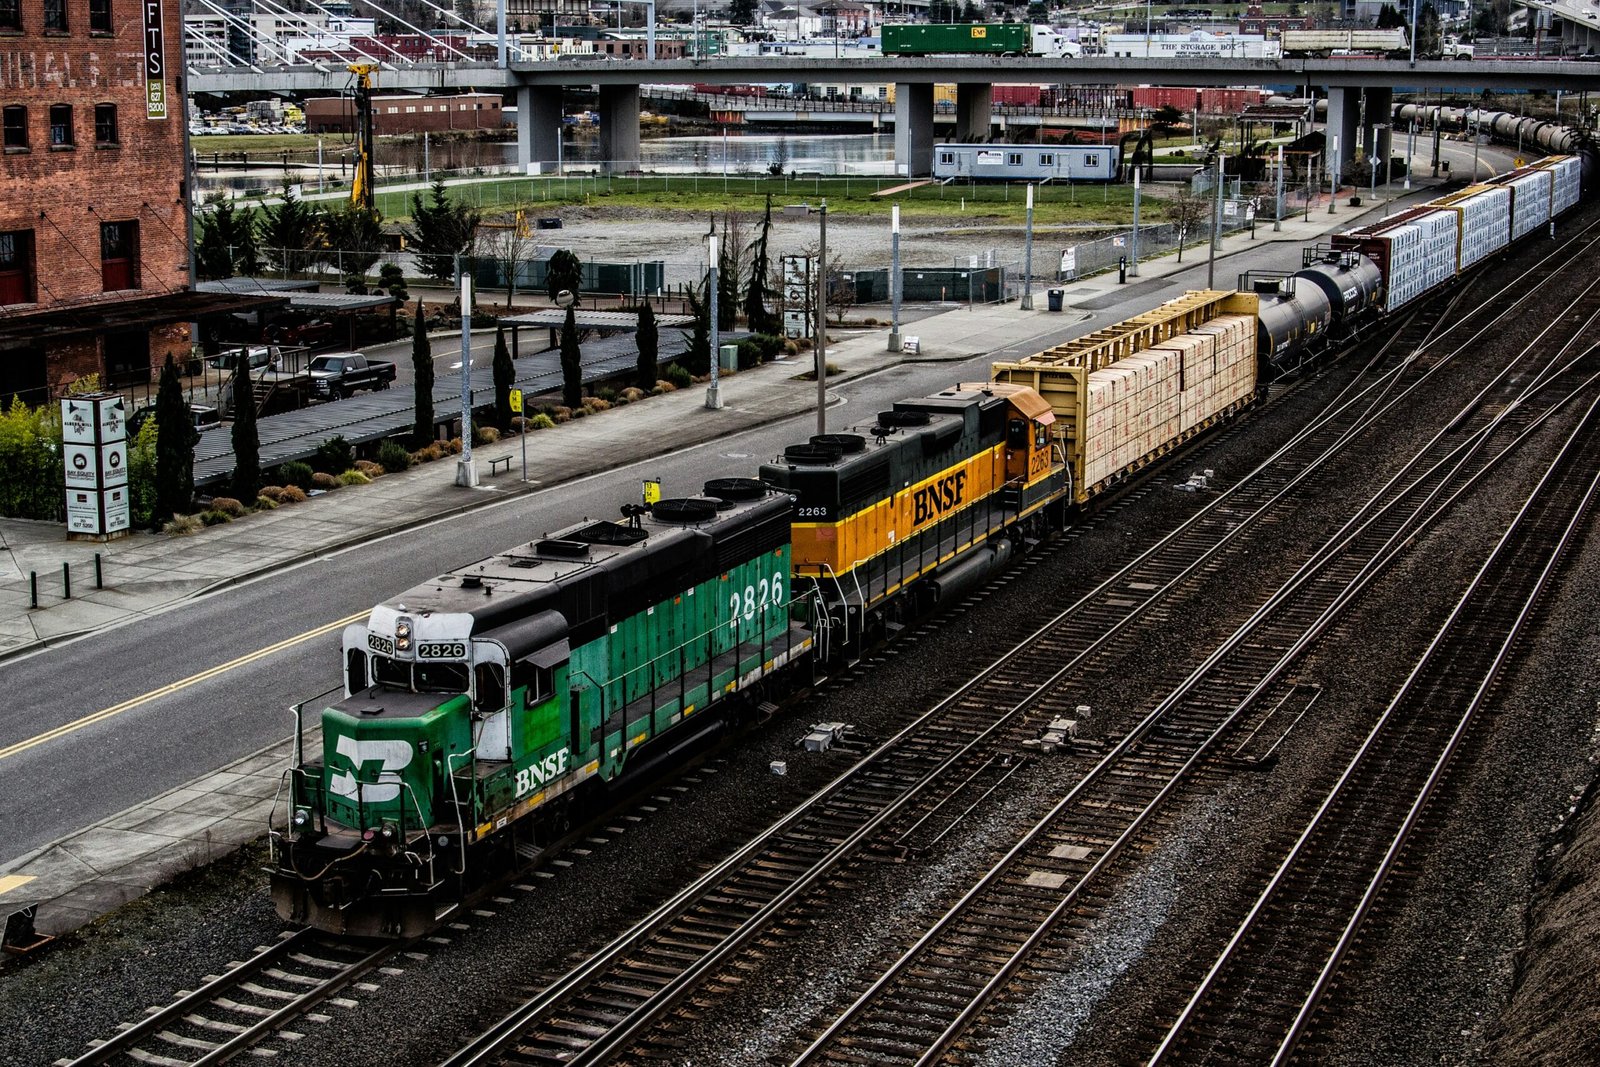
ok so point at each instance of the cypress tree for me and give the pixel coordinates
(756, 315)
(505, 372)
(422, 376)
(571, 363)
(696, 358)
(727, 288)
(175, 441)
(649, 347)
(246, 439)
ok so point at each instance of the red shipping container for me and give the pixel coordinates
(1017, 95)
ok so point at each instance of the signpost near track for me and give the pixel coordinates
(516, 409)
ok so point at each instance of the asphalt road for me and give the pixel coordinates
(212, 679)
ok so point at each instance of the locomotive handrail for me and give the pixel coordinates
(455, 796)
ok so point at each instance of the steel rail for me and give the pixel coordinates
(1335, 794)
(126, 1041)
(1395, 544)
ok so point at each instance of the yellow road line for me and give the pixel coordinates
(14, 881)
(167, 690)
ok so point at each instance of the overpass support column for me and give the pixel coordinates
(619, 127)
(1344, 115)
(538, 128)
(1379, 112)
(913, 128)
(974, 111)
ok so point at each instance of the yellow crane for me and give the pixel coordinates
(361, 188)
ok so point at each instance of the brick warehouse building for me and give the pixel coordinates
(94, 251)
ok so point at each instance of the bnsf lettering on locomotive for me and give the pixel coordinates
(944, 495)
(551, 766)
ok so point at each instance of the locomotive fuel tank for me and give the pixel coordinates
(1352, 282)
(1294, 312)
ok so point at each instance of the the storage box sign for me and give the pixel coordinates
(94, 448)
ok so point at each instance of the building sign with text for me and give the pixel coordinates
(94, 447)
(155, 62)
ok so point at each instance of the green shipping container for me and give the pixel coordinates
(930, 38)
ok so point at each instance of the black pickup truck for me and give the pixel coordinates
(337, 376)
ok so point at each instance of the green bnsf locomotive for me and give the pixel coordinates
(480, 705)
(496, 692)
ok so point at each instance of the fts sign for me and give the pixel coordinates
(155, 62)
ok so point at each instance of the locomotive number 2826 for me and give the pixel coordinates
(764, 594)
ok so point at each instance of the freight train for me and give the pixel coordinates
(478, 708)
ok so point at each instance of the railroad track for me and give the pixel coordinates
(926, 1000)
(246, 1010)
(1257, 1002)
(906, 794)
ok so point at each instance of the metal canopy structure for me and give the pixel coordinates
(620, 321)
(25, 329)
(258, 285)
(339, 302)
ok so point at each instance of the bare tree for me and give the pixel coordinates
(1186, 211)
(507, 239)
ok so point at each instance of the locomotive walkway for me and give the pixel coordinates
(89, 873)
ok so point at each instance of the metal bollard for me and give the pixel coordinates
(66, 581)
(99, 577)
(1122, 270)
(33, 587)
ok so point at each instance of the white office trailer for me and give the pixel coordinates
(1026, 162)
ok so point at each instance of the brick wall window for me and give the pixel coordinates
(105, 124)
(100, 16)
(16, 267)
(16, 126)
(10, 14)
(55, 15)
(119, 255)
(60, 125)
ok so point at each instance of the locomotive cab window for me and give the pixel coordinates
(489, 692)
(1041, 435)
(355, 670)
(420, 677)
(537, 680)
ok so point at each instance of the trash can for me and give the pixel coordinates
(1056, 297)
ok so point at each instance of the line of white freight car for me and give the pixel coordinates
(1426, 246)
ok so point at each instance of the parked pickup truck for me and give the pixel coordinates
(343, 373)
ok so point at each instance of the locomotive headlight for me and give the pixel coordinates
(402, 634)
(302, 817)
(388, 831)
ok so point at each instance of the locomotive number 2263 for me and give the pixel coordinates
(766, 593)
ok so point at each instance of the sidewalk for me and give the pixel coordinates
(89, 873)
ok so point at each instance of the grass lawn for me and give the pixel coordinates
(702, 195)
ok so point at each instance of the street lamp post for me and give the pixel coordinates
(1027, 257)
(1277, 204)
(466, 471)
(1216, 230)
(1411, 150)
(822, 322)
(1333, 176)
(1133, 256)
(714, 390)
(894, 278)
